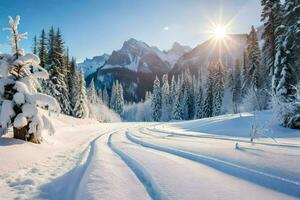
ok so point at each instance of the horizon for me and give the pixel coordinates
(187, 26)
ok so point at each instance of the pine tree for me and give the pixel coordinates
(56, 85)
(59, 52)
(117, 99)
(218, 89)
(209, 98)
(50, 47)
(67, 66)
(166, 99)
(92, 97)
(177, 111)
(287, 64)
(253, 77)
(42, 49)
(57, 88)
(73, 83)
(105, 96)
(34, 48)
(236, 87)
(20, 99)
(188, 95)
(81, 109)
(272, 19)
(156, 101)
(199, 97)
(290, 54)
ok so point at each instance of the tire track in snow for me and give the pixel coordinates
(219, 137)
(143, 176)
(67, 185)
(277, 183)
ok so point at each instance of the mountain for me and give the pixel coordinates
(226, 50)
(172, 55)
(140, 57)
(90, 66)
(135, 65)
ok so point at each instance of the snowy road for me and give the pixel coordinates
(161, 161)
(143, 163)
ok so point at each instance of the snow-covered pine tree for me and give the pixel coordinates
(50, 47)
(287, 66)
(42, 49)
(81, 109)
(272, 19)
(59, 51)
(254, 77)
(208, 107)
(73, 84)
(166, 99)
(156, 101)
(177, 110)
(199, 97)
(188, 95)
(218, 89)
(92, 96)
(34, 47)
(99, 94)
(66, 64)
(236, 87)
(56, 85)
(19, 97)
(117, 99)
(173, 90)
(105, 97)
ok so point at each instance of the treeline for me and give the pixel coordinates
(66, 83)
(202, 95)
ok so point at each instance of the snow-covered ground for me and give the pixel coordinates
(179, 160)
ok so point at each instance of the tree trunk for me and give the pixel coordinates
(22, 134)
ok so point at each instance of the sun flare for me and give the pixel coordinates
(219, 32)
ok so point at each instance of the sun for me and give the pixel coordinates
(219, 32)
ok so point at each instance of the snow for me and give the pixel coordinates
(19, 98)
(7, 113)
(176, 160)
(20, 121)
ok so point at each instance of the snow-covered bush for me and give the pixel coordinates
(19, 98)
(288, 112)
(102, 113)
(138, 111)
(255, 99)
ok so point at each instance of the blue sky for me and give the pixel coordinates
(93, 27)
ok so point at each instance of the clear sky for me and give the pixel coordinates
(93, 27)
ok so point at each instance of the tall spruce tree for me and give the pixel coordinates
(156, 101)
(236, 87)
(117, 99)
(166, 99)
(287, 66)
(81, 109)
(199, 101)
(56, 85)
(73, 83)
(208, 107)
(272, 19)
(35, 44)
(105, 97)
(42, 49)
(218, 89)
(92, 96)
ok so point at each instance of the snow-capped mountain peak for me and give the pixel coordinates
(90, 65)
